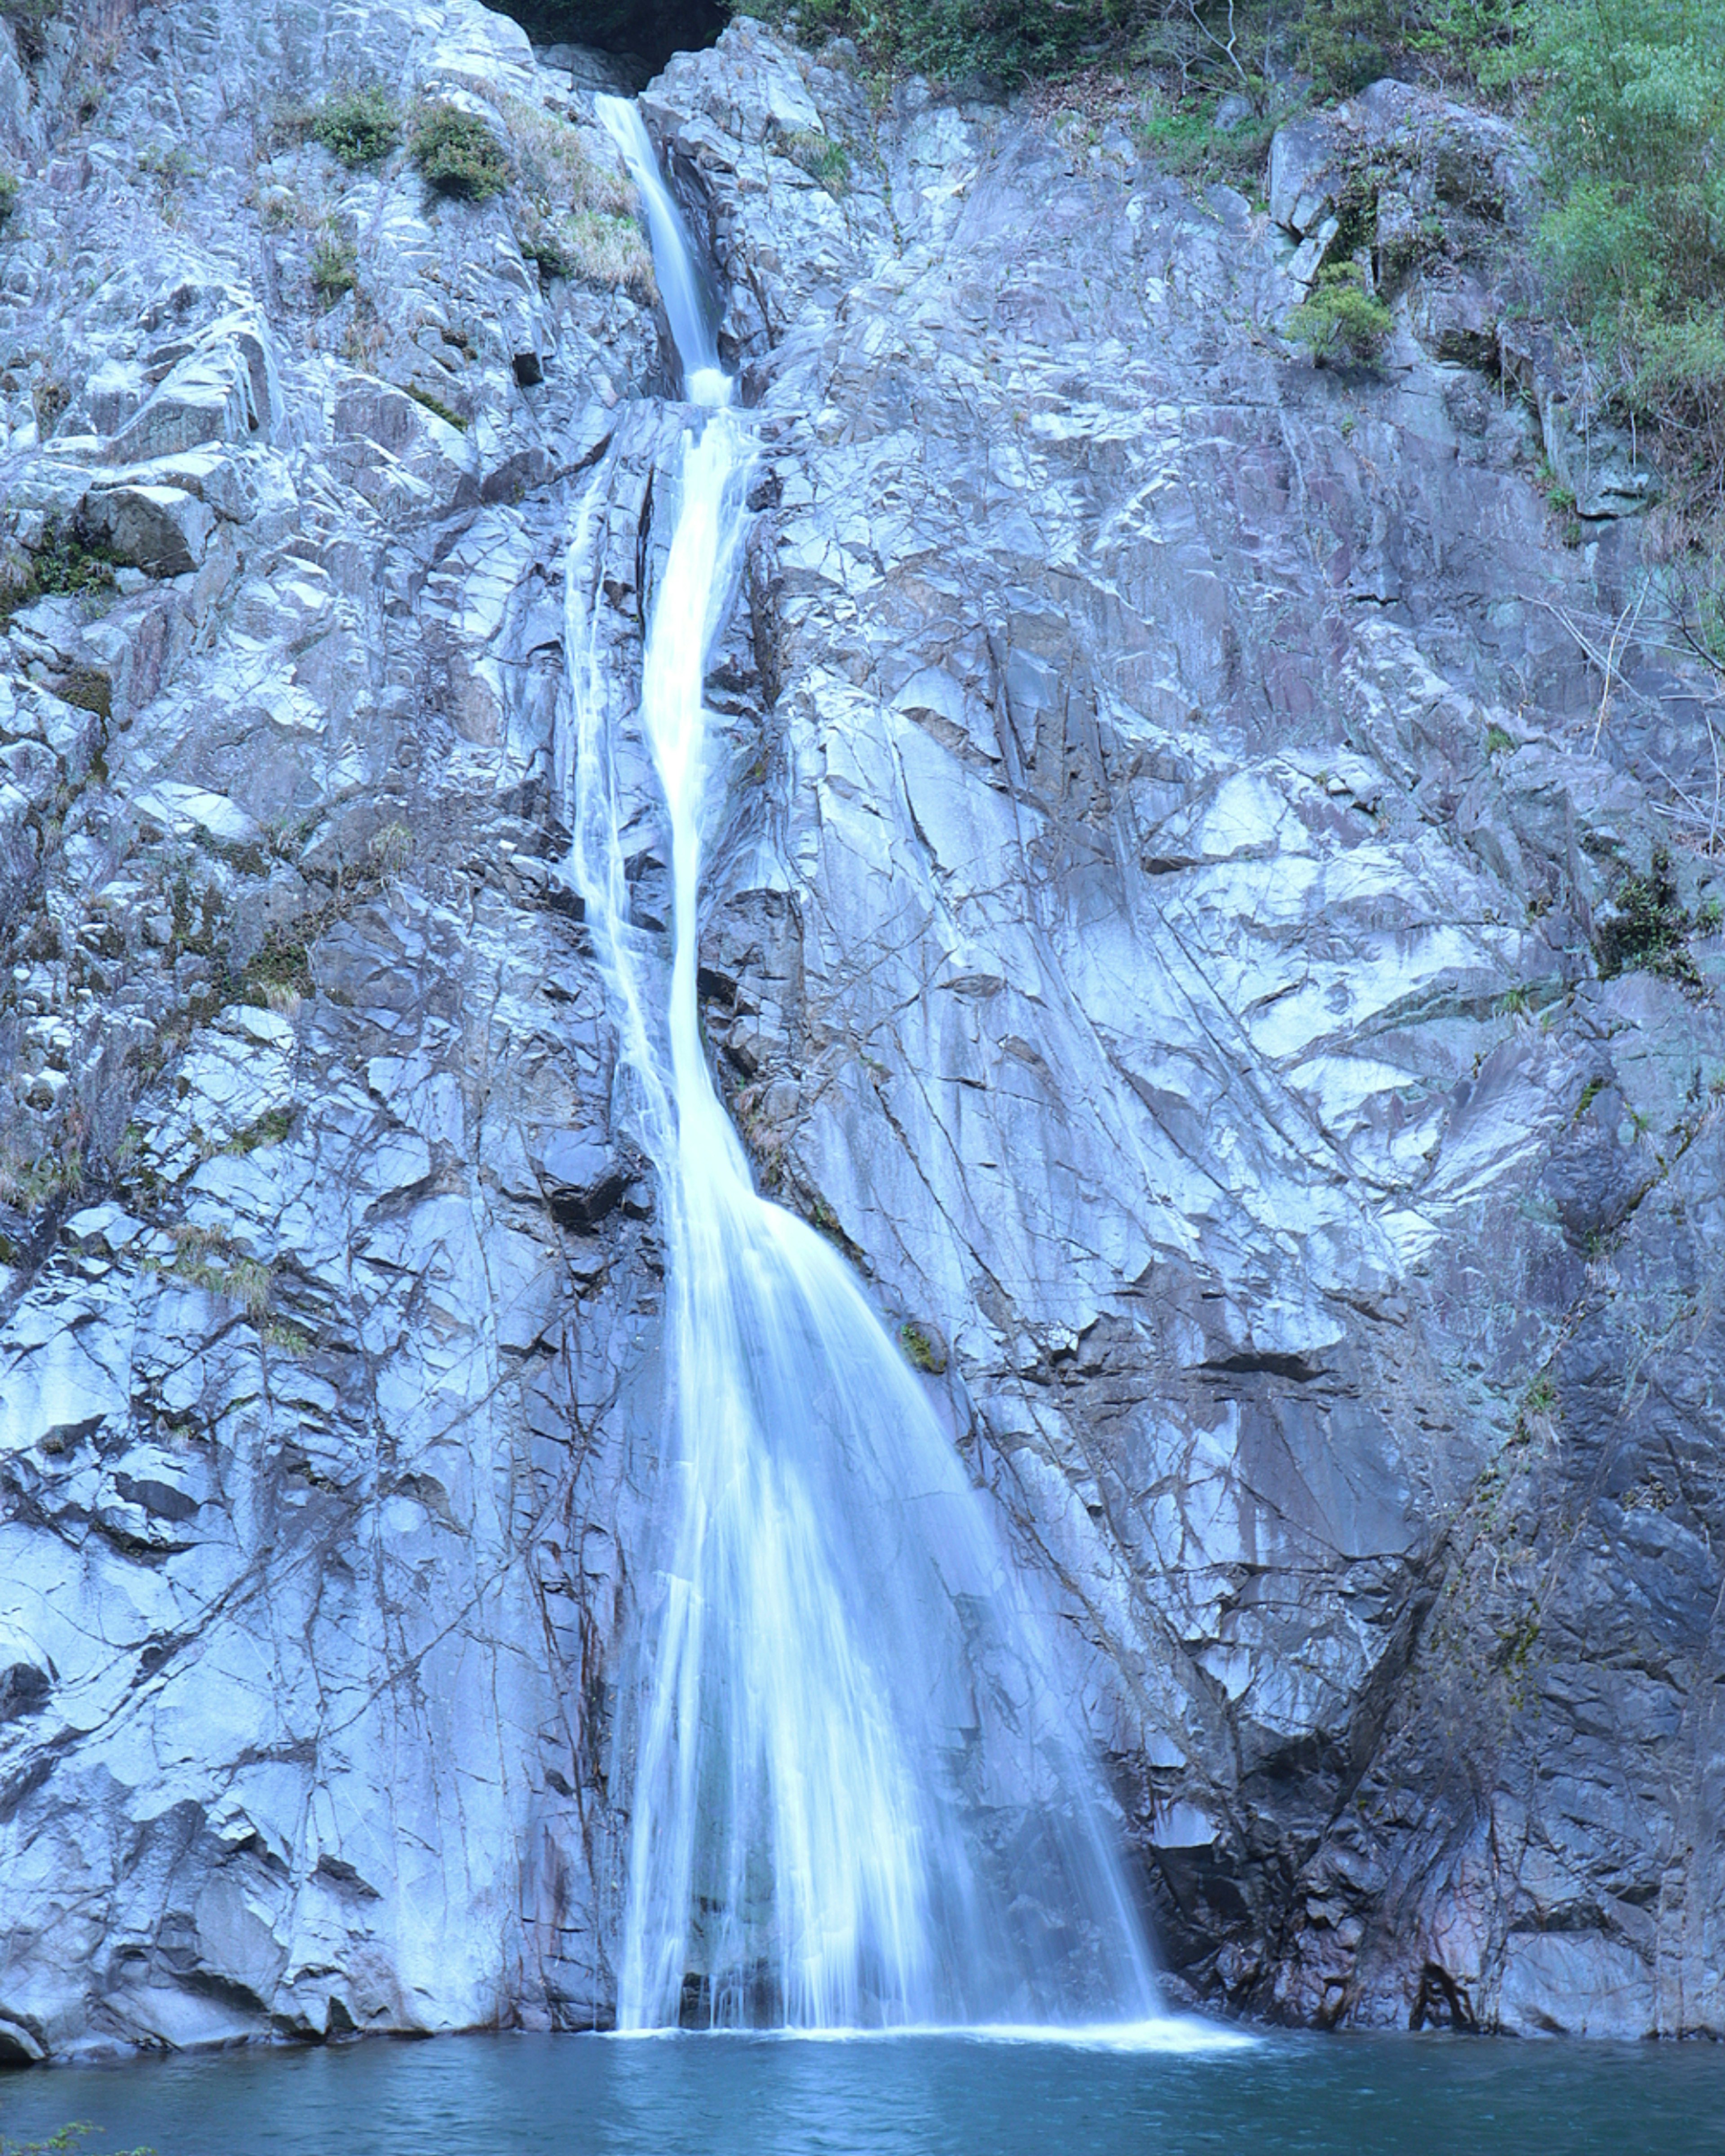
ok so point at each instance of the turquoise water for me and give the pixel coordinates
(911, 2095)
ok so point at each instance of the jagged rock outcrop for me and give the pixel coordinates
(1179, 929)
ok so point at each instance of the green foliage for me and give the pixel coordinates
(63, 566)
(1210, 45)
(67, 2137)
(436, 406)
(1178, 130)
(1631, 117)
(1002, 41)
(9, 193)
(206, 1259)
(459, 155)
(334, 268)
(279, 970)
(923, 1349)
(1339, 319)
(1650, 930)
(1344, 45)
(358, 126)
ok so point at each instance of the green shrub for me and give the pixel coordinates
(358, 126)
(9, 193)
(1340, 319)
(64, 565)
(459, 155)
(1650, 929)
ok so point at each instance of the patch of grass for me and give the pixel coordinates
(1497, 742)
(1340, 319)
(270, 1129)
(923, 1349)
(436, 405)
(1590, 1092)
(390, 847)
(357, 126)
(29, 1182)
(459, 155)
(1540, 1397)
(1513, 1002)
(204, 1258)
(280, 968)
(87, 687)
(335, 269)
(1650, 930)
(826, 162)
(9, 193)
(287, 1339)
(554, 170)
(1178, 130)
(549, 253)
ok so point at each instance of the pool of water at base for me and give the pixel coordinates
(934, 2095)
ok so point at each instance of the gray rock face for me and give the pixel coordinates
(1176, 812)
(1198, 800)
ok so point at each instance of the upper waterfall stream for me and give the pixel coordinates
(858, 1794)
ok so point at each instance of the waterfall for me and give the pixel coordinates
(860, 1796)
(681, 286)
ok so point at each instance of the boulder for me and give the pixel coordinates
(162, 530)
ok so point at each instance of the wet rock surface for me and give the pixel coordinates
(1177, 813)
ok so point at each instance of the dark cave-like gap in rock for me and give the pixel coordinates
(650, 30)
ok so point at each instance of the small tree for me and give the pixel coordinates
(1340, 319)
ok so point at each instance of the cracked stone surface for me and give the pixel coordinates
(1175, 817)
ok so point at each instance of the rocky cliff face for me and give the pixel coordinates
(1213, 920)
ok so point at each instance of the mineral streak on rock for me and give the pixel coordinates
(1173, 815)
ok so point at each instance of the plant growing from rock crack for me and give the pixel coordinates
(459, 155)
(923, 1350)
(359, 126)
(334, 268)
(1340, 318)
(1650, 929)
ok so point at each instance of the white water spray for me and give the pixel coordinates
(860, 1798)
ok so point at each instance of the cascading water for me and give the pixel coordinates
(679, 282)
(859, 1795)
